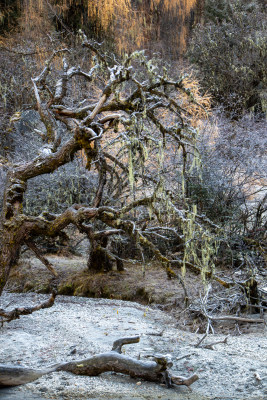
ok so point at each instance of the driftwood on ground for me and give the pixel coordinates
(7, 316)
(154, 371)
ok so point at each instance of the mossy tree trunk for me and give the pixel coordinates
(100, 260)
(9, 252)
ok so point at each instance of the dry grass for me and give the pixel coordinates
(74, 279)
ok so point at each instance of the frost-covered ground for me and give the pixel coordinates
(75, 328)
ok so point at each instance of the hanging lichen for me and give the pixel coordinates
(130, 168)
(200, 245)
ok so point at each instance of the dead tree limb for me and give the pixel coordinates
(154, 371)
(8, 316)
(43, 260)
(238, 319)
(201, 340)
(210, 345)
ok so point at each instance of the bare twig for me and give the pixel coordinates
(185, 356)
(210, 345)
(201, 340)
(156, 333)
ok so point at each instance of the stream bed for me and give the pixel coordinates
(75, 328)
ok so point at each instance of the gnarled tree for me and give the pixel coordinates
(136, 128)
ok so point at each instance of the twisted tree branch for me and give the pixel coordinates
(155, 371)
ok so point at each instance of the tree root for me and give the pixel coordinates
(8, 316)
(154, 371)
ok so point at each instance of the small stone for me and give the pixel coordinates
(139, 383)
(43, 389)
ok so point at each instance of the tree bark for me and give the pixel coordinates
(100, 259)
(9, 252)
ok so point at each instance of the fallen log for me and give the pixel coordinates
(154, 371)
